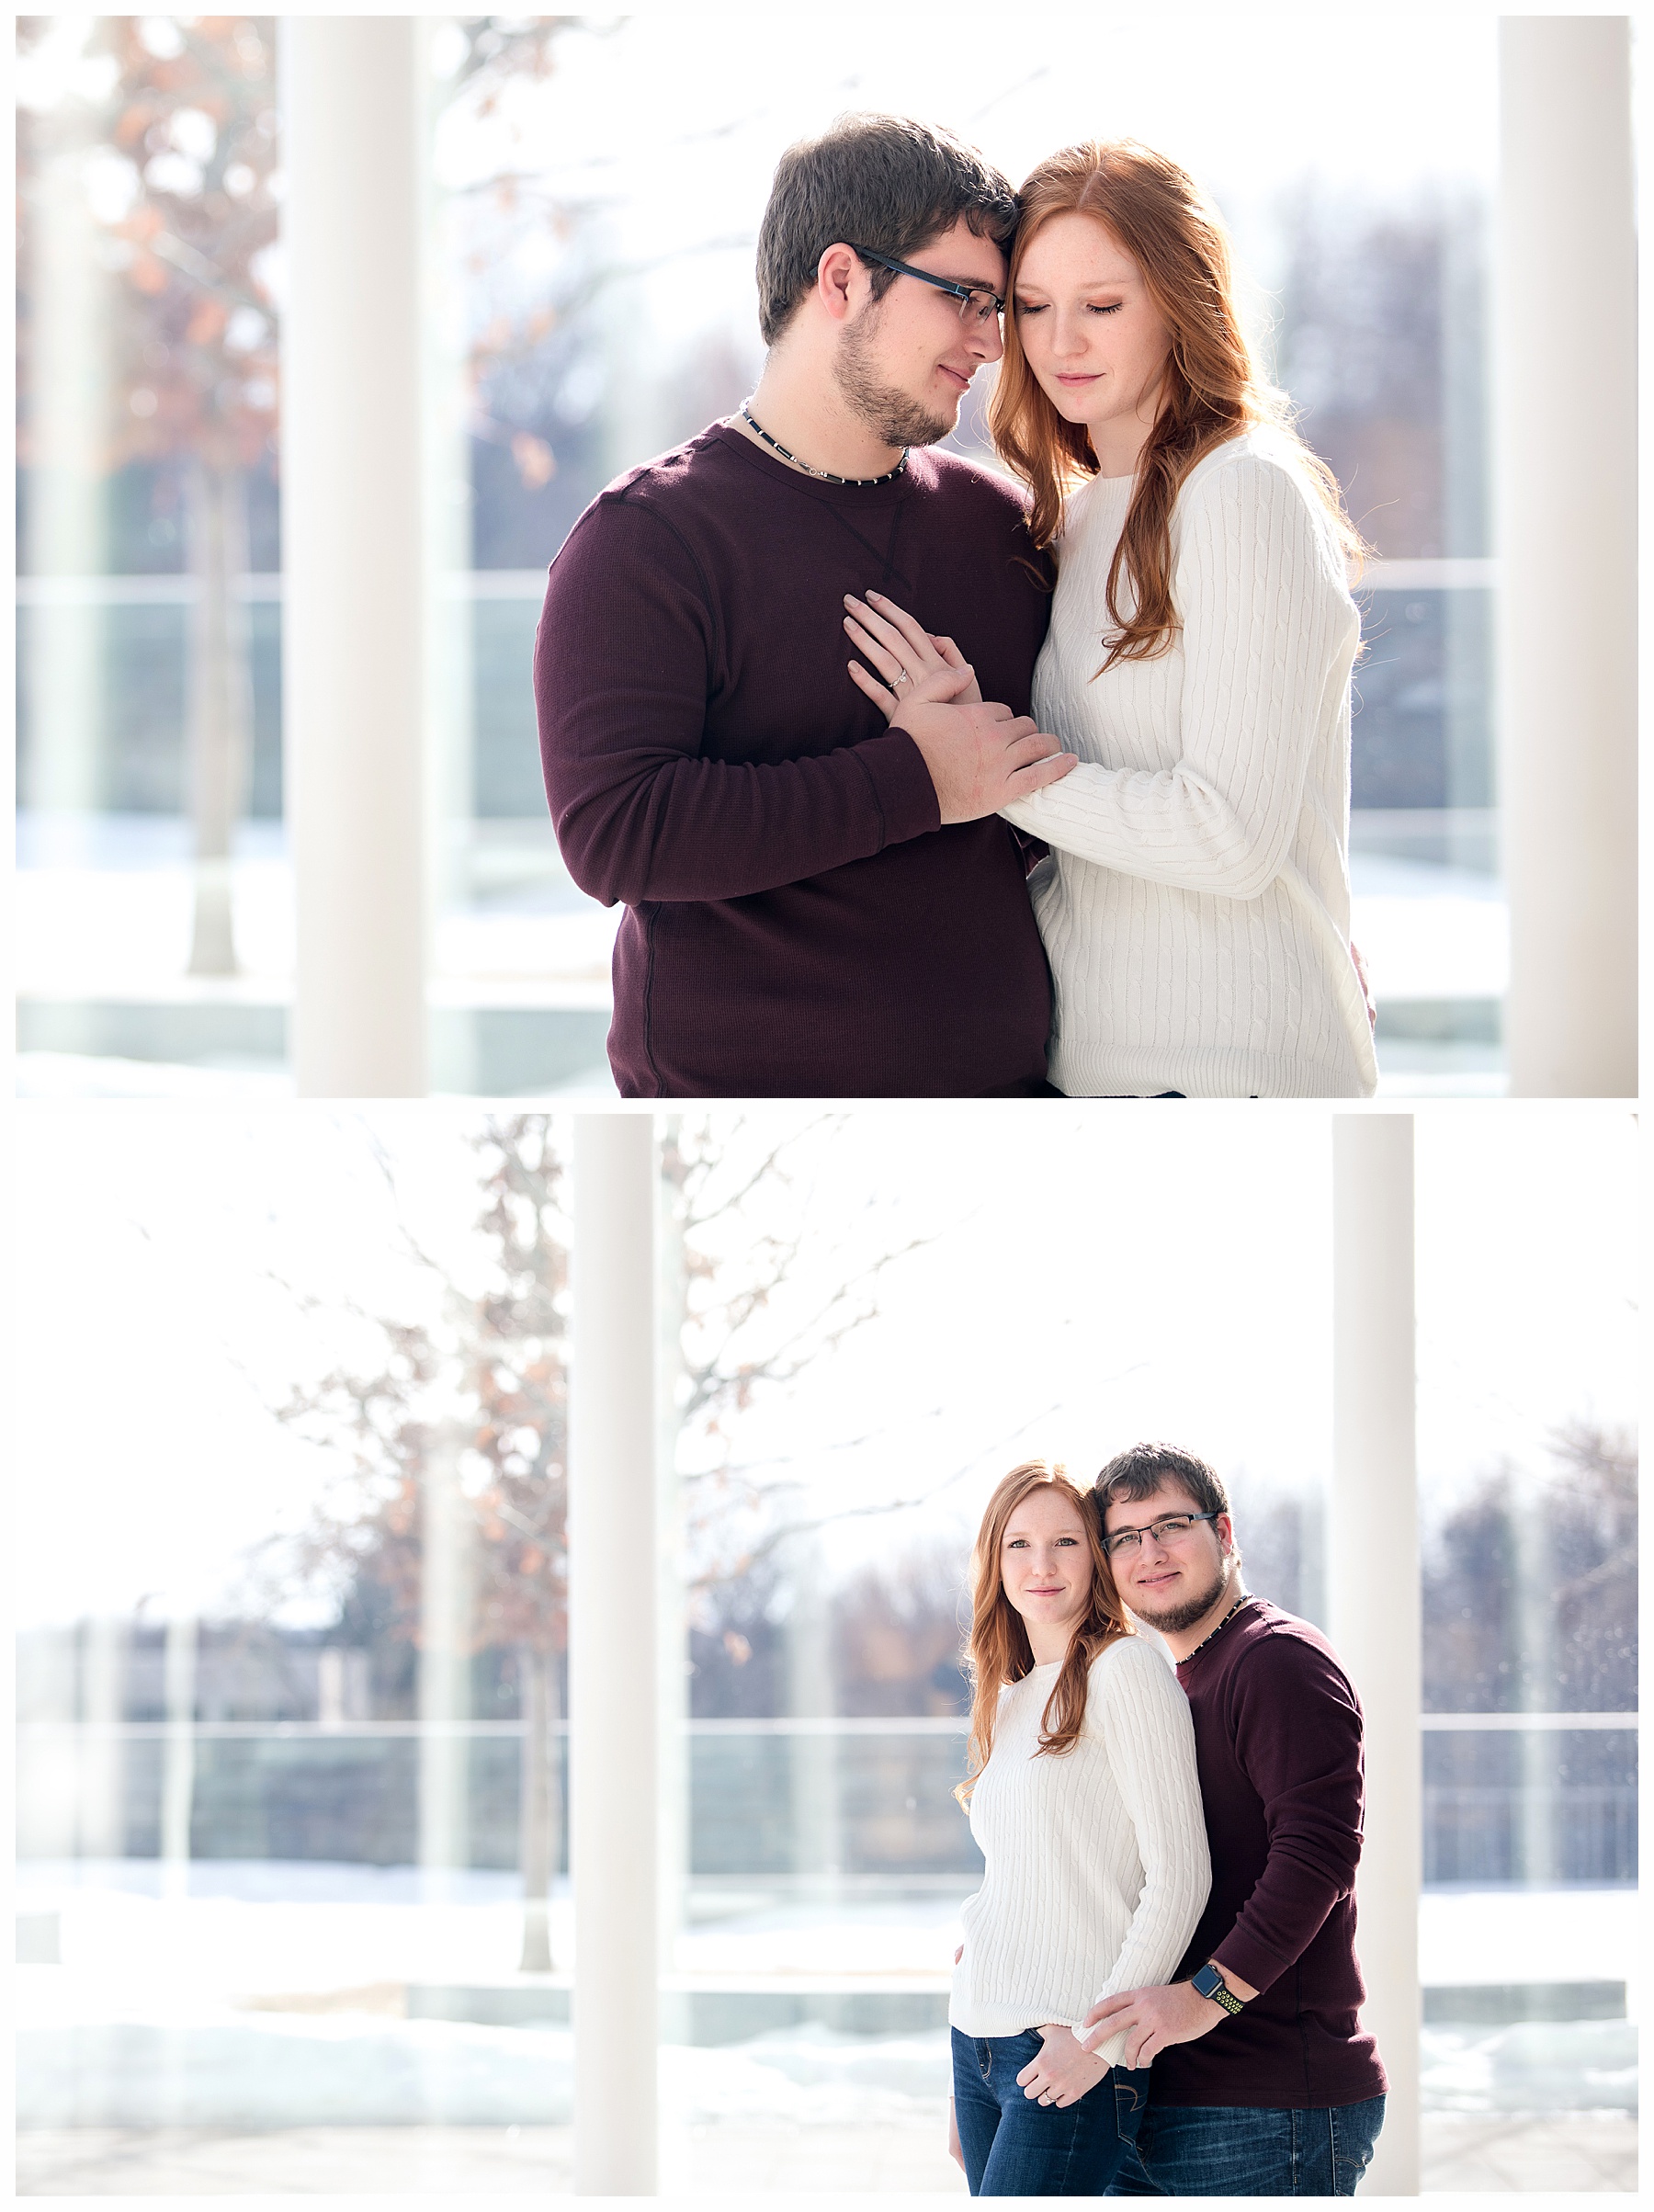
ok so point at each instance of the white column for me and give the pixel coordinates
(447, 1609)
(66, 496)
(671, 1297)
(1566, 506)
(178, 1755)
(1539, 1750)
(353, 655)
(1372, 1606)
(176, 2083)
(612, 1594)
(102, 1796)
(813, 1766)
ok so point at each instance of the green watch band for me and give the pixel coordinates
(1209, 1982)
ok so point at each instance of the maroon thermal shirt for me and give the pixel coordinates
(1278, 1743)
(798, 923)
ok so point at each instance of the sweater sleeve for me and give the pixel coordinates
(1297, 1738)
(1149, 1735)
(624, 660)
(1268, 626)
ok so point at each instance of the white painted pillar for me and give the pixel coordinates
(1373, 1604)
(813, 1763)
(101, 1798)
(672, 1668)
(66, 498)
(177, 1755)
(447, 1624)
(612, 1686)
(353, 554)
(175, 2077)
(1565, 508)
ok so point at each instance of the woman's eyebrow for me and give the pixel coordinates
(1092, 284)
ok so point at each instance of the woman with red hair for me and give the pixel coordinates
(1195, 900)
(1083, 1799)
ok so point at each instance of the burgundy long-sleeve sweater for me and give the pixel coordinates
(797, 922)
(1277, 1746)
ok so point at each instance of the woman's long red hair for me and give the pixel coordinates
(997, 1651)
(1211, 390)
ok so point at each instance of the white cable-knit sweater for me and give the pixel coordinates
(1097, 1870)
(1195, 909)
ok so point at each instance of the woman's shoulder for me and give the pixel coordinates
(1264, 470)
(1132, 1665)
(1258, 455)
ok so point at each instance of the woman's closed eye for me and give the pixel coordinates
(1025, 308)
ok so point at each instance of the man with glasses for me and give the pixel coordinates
(1263, 2081)
(816, 904)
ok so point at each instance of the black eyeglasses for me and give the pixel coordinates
(978, 305)
(1174, 1526)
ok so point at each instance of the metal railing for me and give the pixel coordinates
(265, 586)
(867, 1798)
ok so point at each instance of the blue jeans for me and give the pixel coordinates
(1246, 2150)
(1015, 2146)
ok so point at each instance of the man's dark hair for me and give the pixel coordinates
(882, 181)
(1140, 1471)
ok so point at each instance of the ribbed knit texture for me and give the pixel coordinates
(1097, 1867)
(1195, 909)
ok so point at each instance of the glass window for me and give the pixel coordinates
(1367, 254)
(1528, 1485)
(292, 1850)
(593, 305)
(292, 1854)
(154, 900)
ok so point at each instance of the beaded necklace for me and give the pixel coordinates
(825, 475)
(1245, 1598)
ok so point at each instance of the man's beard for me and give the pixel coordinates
(895, 418)
(1187, 1611)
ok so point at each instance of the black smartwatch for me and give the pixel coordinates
(1209, 1982)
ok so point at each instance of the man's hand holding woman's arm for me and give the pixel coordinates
(1151, 2019)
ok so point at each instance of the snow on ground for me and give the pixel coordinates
(103, 913)
(276, 1996)
(1429, 932)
